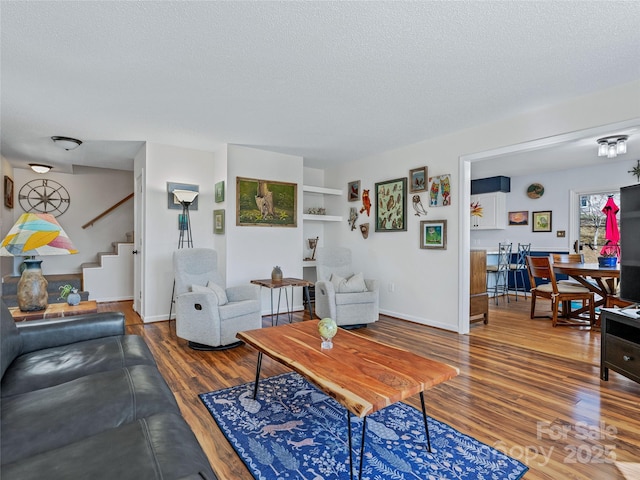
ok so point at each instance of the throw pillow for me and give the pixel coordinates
(220, 293)
(337, 281)
(354, 284)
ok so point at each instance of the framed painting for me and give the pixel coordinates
(541, 221)
(433, 234)
(266, 203)
(219, 191)
(174, 204)
(183, 222)
(8, 192)
(354, 191)
(519, 218)
(418, 179)
(391, 205)
(440, 191)
(218, 222)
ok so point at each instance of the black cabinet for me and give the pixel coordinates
(620, 349)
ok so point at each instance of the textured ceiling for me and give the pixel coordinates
(330, 81)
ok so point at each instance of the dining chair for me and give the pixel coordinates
(520, 267)
(540, 268)
(499, 272)
(567, 258)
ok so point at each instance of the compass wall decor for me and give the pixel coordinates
(44, 196)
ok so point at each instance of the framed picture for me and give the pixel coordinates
(218, 221)
(519, 218)
(541, 221)
(220, 192)
(391, 205)
(433, 234)
(418, 179)
(354, 191)
(440, 191)
(266, 203)
(183, 222)
(172, 203)
(8, 192)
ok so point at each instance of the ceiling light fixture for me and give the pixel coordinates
(613, 146)
(40, 168)
(66, 142)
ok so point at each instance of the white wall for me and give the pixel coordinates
(252, 252)
(431, 286)
(164, 164)
(92, 191)
(6, 216)
(555, 198)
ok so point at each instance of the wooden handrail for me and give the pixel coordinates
(108, 210)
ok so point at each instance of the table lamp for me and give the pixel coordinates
(35, 234)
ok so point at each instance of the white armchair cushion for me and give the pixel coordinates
(354, 284)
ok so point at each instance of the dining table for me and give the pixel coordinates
(603, 281)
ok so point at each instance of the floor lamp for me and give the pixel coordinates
(35, 234)
(185, 198)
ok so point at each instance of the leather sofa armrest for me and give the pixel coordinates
(40, 334)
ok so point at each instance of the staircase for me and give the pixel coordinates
(10, 288)
(110, 279)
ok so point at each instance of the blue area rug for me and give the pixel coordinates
(294, 431)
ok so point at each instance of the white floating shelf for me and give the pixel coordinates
(322, 218)
(322, 190)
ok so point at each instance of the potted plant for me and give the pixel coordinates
(70, 294)
(609, 255)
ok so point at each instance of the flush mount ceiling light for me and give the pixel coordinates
(40, 168)
(66, 142)
(613, 146)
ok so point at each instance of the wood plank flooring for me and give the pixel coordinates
(526, 388)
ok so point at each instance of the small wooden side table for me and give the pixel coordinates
(55, 310)
(278, 285)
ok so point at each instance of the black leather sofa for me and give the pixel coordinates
(80, 399)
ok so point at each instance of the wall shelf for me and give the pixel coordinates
(322, 218)
(321, 190)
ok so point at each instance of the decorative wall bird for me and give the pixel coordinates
(418, 207)
(366, 202)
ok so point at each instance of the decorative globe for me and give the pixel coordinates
(327, 328)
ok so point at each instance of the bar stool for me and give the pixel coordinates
(520, 268)
(500, 272)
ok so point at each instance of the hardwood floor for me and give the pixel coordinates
(526, 388)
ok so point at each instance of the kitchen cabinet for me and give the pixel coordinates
(494, 211)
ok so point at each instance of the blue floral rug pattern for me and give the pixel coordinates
(294, 431)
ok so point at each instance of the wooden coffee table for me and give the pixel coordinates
(361, 374)
(55, 310)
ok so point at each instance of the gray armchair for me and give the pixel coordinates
(341, 293)
(208, 315)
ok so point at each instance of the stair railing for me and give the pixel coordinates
(107, 211)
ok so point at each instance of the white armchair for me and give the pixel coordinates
(208, 315)
(342, 294)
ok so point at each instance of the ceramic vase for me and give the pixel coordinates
(32, 288)
(276, 274)
(74, 297)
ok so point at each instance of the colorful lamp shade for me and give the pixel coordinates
(35, 234)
